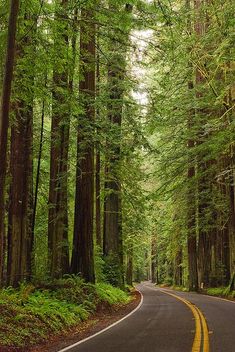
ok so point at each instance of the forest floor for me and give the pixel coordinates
(54, 315)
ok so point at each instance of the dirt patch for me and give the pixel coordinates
(104, 316)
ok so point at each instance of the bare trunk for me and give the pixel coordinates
(98, 159)
(191, 216)
(232, 229)
(58, 207)
(37, 181)
(83, 251)
(20, 239)
(20, 208)
(204, 171)
(4, 119)
(112, 205)
(178, 272)
(98, 202)
(129, 270)
(154, 260)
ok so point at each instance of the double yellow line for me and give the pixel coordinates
(201, 338)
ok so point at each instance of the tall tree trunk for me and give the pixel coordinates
(232, 223)
(231, 192)
(83, 251)
(129, 268)
(38, 170)
(205, 176)
(178, 273)
(58, 202)
(154, 260)
(98, 156)
(98, 201)
(191, 198)
(112, 236)
(20, 207)
(220, 242)
(191, 216)
(20, 240)
(4, 118)
(192, 250)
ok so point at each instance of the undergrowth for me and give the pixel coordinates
(221, 292)
(30, 314)
(212, 291)
(180, 288)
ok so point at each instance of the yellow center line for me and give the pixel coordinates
(200, 323)
(206, 347)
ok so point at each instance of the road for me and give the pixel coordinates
(169, 321)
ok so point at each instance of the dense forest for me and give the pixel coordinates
(117, 142)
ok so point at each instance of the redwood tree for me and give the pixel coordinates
(58, 202)
(83, 251)
(20, 236)
(4, 118)
(112, 232)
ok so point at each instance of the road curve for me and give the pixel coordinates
(166, 323)
(220, 317)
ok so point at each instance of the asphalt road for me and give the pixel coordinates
(166, 323)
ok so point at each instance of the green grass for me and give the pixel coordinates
(180, 288)
(29, 315)
(221, 292)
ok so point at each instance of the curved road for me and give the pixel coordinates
(169, 321)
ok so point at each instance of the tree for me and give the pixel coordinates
(4, 118)
(112, 236)
(83, 251)
(58, 203)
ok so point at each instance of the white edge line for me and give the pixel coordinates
(108, 327)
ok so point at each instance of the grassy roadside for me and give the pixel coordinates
(30, 314)
(222, 292)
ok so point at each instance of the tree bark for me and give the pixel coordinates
(191, 198)
(232, 227)
(58, 202)
(83, 251)
(39, 158)
(4, 118)
(154, 260)
(205, 176)
(98, 156)
(129, 270)
(20, 239)
(112, 236)
(191, 219)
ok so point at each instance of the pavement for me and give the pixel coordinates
(169, 321)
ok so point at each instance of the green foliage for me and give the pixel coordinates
(28, 321)
(220, 292)
(180, 288)
(110, 294)
(112, 269)
(29, 315)
(99, 265)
